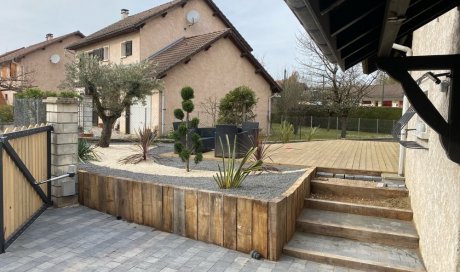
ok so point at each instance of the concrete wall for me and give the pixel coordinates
(175, 26)
(433, 180)
(43, 73)
(214, 73)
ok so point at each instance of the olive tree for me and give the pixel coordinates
(114, 87)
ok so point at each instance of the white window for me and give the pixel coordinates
(127, 49)
(101, 53)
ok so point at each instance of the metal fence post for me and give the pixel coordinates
(377, 126)
(311, 121)
(337, 123)
(2, 226)
(359, 125)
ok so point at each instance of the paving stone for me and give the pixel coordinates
(80, 239)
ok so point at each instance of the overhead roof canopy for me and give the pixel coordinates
(351, 31)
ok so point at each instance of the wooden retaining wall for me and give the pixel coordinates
(234, 222)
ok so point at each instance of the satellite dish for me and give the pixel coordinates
(55, 59)
(193, 17)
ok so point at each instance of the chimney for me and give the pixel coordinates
(124, 13)
(49, 36)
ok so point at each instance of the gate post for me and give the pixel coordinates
(62, 114)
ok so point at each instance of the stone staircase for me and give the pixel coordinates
(334, 229)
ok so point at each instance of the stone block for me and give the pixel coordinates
(65, 128)
(62, 117)
(64, 160)
(64, 201)
(64, 149)
(64, 138)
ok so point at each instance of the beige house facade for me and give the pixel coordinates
(434, 180)
(388, 95)
(40, 65)
(193, 44)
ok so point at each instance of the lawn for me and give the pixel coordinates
(324, 134)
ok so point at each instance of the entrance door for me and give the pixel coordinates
(140, 115)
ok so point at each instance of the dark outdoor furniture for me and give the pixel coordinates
(208, 138)
(245, 139)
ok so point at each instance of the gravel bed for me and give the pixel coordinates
(207, 165)
(264, 186)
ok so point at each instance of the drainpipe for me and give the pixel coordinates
(163, 110)
(402, 149)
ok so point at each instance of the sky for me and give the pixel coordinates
(269, 26)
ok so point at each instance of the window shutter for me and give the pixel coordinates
(4, 72)
(106, 53)
(13, 70)
(123, 49)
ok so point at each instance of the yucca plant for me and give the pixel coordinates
(145, 138)
(311, 133)
(286, 131)
(232, 175)
(86, 151)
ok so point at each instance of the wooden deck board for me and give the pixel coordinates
(340, 154)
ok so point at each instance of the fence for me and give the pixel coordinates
(330, 127)
(25, 158)
(29, 111)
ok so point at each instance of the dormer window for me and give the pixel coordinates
(127, 49)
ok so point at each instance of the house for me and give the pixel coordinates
(39, 65)
(193, 44)
(418, 44)
(392, 95)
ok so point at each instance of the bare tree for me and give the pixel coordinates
(293, 92)
(210, 106)
(338, 91)
(18, 82)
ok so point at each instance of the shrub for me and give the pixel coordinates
(237, 106)
(232, 175)
(37, 93)
(311, 133)
(187, 141)
(86, 152)
(262, 153)
(145, 138)
(6, 114)
(286, 132)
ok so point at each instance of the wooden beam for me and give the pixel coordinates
(328, 7)
(394, 17)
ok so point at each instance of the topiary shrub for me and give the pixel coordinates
(187, 141)
(6, 114)
(237, 106)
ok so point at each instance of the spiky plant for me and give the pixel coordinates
(263, 151)
(145, 138)
(86, 152)
(286, 132)
(232, 174)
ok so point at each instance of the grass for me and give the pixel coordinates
(324, 134)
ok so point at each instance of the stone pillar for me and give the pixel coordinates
(62, 114)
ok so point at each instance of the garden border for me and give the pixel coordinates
(235, 222)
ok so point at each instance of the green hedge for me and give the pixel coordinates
(361, 112)
(36, 93)
(6, 114)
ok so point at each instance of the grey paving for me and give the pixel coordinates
(80, 239)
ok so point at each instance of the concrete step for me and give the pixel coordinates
(348, 188)
(352, 254)
(344, 207)
(386, 231)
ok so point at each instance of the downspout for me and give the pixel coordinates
(402, 149)
(163, 110)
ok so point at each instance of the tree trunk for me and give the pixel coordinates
(106, 132)
(344, 122)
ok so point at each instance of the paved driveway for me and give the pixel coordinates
(80, 239)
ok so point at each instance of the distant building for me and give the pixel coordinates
(193, 44)
(392, 95)
(42, 64)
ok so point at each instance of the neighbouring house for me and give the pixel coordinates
(408, 40)
(392, 96)
(39, 65)
(193, 44)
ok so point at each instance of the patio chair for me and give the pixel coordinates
(208, 138)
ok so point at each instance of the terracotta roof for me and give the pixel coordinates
(184, 48)
(27, 50)
(390, 91)
(135, 22)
